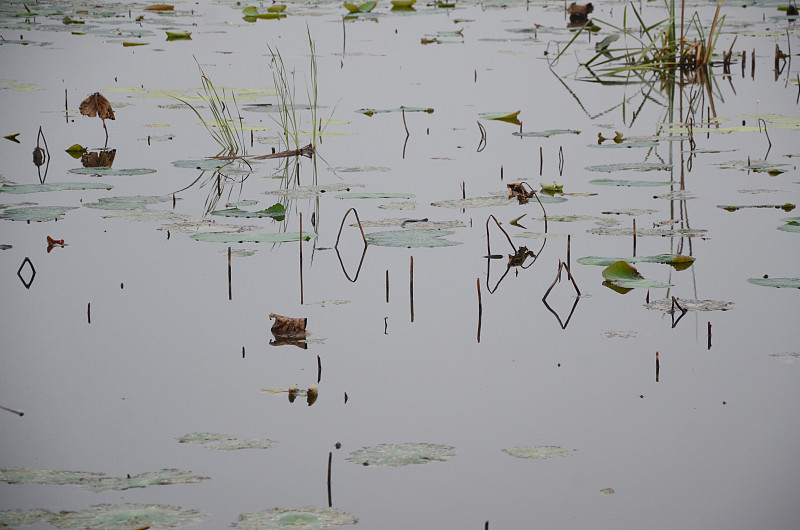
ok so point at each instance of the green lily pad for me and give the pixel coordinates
(664, 304)
(787, 207)
(311, 192)
(417, 224)
(630, 166)
(354, 195)
(36, 213)
(55, 186)
(179, 35)
(540, 452)
(277, 211)
(128, 202)
(15, 518)
(225, 237)
(660, 232)
(223, 442)
(126, 516)
(792, 224)
(76, 151)
(607, 491)
(623, 275)
(111, 172)
(370, 112)
(403, 3)
(97, 481)
(396, 455)
(307, 517)
(210, 164)
(545, 134)
(628, 183)
(411, 238)
(678, 261)
(494, 200)
(792, 283)
(366, 7)
(401, 205)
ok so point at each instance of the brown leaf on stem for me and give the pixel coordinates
(97, 105)
(103, 158)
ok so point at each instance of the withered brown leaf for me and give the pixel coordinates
(103, 158)
(288, 326)
(97, 105)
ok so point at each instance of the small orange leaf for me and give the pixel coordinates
(51, 241)
(160, 7)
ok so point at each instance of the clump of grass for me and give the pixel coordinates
(222, 126)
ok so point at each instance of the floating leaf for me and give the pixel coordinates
(665, 305)
(97, 481)
(311, 192)
(396, 455)
(179, 35)
(54, 186)
(370, 112)
(277, 8)
(403, 3)
(15, 518)
(36, 213)
(501, 116)
(226, 237)
(625, 276)
(307, 517)
(366, 7)
(76, 150)
(660, 232)
(402, 205)
(365, 195)
(545, 134)
(619, 334)
(288, 326)
(787, 207)
(277, 211)
(678, 261)
(630, 166)
(411, 238)
(103, 158)
(12, 137)
(494, 200)
(538, 452)
(160, 7)
(126, 516)
(223, 442)
(628, 183)
(555, 187)
(792, 283)
(250, 11)
(607, 491)
(127, 203)
(792, 224)
(110, 172)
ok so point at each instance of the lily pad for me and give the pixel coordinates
(97, 481)
(623, 275)
(277, 211)
(400, 205)
(787, 207)
(179, 35)
(417, 224)
(494, 200)
(354, 195)
(111, 172)
(630, 166)
(792, 224)
(511, 117)
(311, 192)
(396, 455)
(223, 442)
(126, 516)
(411, 238)
(56, 186)
(226, 237)
(366, 7)
(545, 134)
(15, 518)
(540, 452)
(665, 305)
(678, 261)
(792, 283)
(628, 183)
(36, 213)
(371, 112)
(307, 517)
(127, 202)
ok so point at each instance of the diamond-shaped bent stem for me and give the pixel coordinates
(562, 265)
(363, 238)
(672, 312)
(33, 273)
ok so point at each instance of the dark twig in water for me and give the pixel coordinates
(230, 293)
(709, 335)
(488, 239)
(482, 142)
(480, 310)
(18, 413)
(411, 287)
(363, 237)
(301, 258)
(760, 121)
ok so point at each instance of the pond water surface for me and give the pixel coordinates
(131, 335)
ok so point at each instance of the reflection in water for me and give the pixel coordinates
(41, 156)
(363, 253)
(562, 265)
(28, 283)
(515, 260)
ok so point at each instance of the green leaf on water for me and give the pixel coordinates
(107, 171)
(76, 150)
(125, 517)
(250, 11)
(223, 442)
(628, 183)
(630, 166)
(678, 261)
(538, 452)
(411, 238)
(370, 112)
(625, 276)
(792, 283)
(247, 237)
(277, 8)
(97, 481)
(179, 35)
(354, 195)
(787, 207)
(396, 455)
(277, 211)
(127, 202)
(54, 186)
(545, 134)
(15, 518)
(792, 224)
(510, 117)
(307, 517)
(664, 304)
(366, 7)
(36, 213)
(495, 200)
(12, 137)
